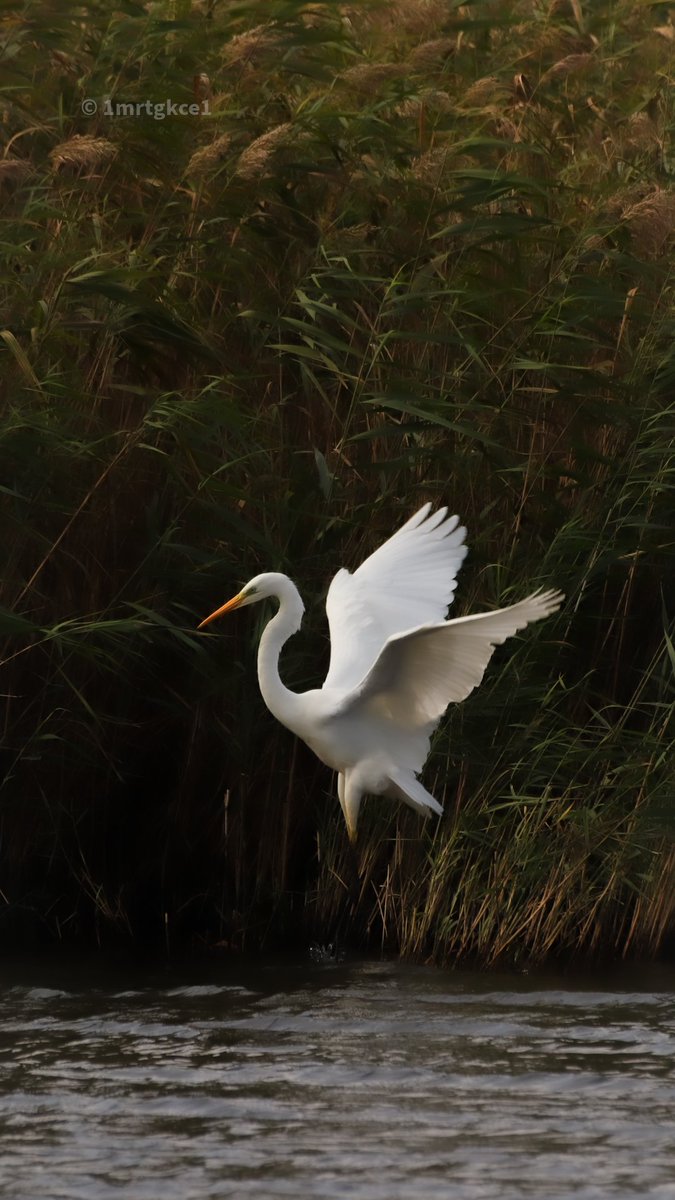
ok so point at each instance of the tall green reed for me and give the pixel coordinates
(403, 252)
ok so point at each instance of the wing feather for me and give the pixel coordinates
(408, 581)
(418, 673)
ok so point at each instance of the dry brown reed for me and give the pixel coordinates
(416, 17)
(368, 77)
(639, 135)
(207, 158)
(258, 157)
(83, 152)
(253, 46)
(14, 170)
(428, 56)
(432, 101)
(571, 64)
(489, 91)
(651, 221)
(429, 167)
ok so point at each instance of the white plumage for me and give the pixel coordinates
(395, 663)
(408, 581)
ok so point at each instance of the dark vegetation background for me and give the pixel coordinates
(412, 251)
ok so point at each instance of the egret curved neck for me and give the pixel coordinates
(282, 703)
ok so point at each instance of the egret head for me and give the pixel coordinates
(261, 587)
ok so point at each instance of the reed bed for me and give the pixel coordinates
(400, 252)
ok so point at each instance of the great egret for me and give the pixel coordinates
(395, 662)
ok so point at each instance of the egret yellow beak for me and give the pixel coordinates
(235, 602)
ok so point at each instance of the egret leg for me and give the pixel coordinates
(350, 799)
(341, 792)
(352, 802)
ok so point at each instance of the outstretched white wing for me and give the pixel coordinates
(420, 672)
(408, 581)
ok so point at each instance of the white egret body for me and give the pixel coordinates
(396, 663)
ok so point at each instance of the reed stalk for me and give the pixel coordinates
(402, 252)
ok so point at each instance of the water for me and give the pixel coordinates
(367, 1080)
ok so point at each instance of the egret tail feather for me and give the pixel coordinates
(404, 786)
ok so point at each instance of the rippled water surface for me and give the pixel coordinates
(367, 1080)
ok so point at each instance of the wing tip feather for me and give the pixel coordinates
(547, 601)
